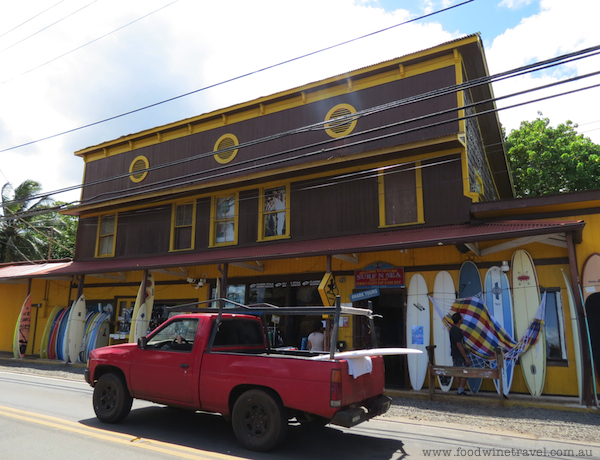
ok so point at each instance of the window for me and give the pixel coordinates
(176, 336)
(238, 332)
(400, 195)
(273, 212)
(182, 226)
(554, 325)
(107, 228)
(224, 218)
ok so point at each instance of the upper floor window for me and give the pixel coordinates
(274, 213)
(400, 195)
(182, 226)
(224, 219)
(107, 230)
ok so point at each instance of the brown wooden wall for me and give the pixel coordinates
(310, 144)
(341, 208)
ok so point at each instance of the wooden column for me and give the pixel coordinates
(585, 345)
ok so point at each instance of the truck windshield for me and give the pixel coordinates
(179, 335)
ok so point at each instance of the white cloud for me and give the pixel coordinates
(514, 4)
(559, 28)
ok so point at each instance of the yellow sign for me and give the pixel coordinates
(328, 290)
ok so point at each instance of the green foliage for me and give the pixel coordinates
(25, 227)
(548, 161)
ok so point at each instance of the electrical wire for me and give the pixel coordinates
(88, 43)
(321, 125)
(327, 150)
(31, 18)
(47, 27)
(231, 79)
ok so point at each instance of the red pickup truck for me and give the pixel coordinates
(219, 360)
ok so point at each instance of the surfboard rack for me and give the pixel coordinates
(468, 372)
(227, 306)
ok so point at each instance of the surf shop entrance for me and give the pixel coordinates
(383, 286)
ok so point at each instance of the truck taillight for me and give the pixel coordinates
(335, 399)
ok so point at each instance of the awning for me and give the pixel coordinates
(351, 244)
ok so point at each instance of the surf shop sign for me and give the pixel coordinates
(379, 275)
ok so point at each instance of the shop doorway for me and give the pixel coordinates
(390, 332)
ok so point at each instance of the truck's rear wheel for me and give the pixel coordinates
(259, 420)
(112, 401)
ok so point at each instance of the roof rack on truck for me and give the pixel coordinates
(264, 309)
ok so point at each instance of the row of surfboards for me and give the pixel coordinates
(72, 333)
(499, 297)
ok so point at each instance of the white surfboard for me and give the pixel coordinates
(576, 337)
(142, 310)
(498, 299)
(526, 301)
(368, 352)
(75, 330)
(444, 294)
(417, 329)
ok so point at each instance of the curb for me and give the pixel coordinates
(491, 399)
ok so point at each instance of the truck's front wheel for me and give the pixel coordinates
(112, 401)
(259, 420)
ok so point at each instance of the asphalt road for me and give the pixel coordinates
(50, 418)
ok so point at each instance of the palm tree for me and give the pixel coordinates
(23, 223)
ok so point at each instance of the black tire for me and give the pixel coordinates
(112, 401)
(259, 420)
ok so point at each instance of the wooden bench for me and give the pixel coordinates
(469, 372)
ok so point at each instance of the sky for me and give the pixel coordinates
(67, 64)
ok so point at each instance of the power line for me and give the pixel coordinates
(47, 27)
(33, 17)
(321, 125)
(88, 43)
(232, 79)
(331, 149)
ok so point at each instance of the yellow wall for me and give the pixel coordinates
(559, 380)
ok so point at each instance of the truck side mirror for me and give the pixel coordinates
(142, 343)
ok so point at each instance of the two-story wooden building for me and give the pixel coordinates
(397, 166)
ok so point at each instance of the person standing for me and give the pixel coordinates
(460, 357)
(316, 339)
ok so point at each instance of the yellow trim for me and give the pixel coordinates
(144, 174)
(314, 92)
(231, 156)
(460, 95)
(261, 212)
(296, 169)
(99, 236)
(174, 226)
(351, 125)
(419, 198)
(213, 220)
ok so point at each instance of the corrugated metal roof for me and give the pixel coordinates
(383, 241)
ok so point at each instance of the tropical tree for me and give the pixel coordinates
(61, 239)
(24, 224)
(548, 161)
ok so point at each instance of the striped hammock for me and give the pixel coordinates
(483, 333)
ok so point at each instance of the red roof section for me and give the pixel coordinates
(383, 241)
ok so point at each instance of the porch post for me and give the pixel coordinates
(79, 287)
(223, 268)
(585, 345)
